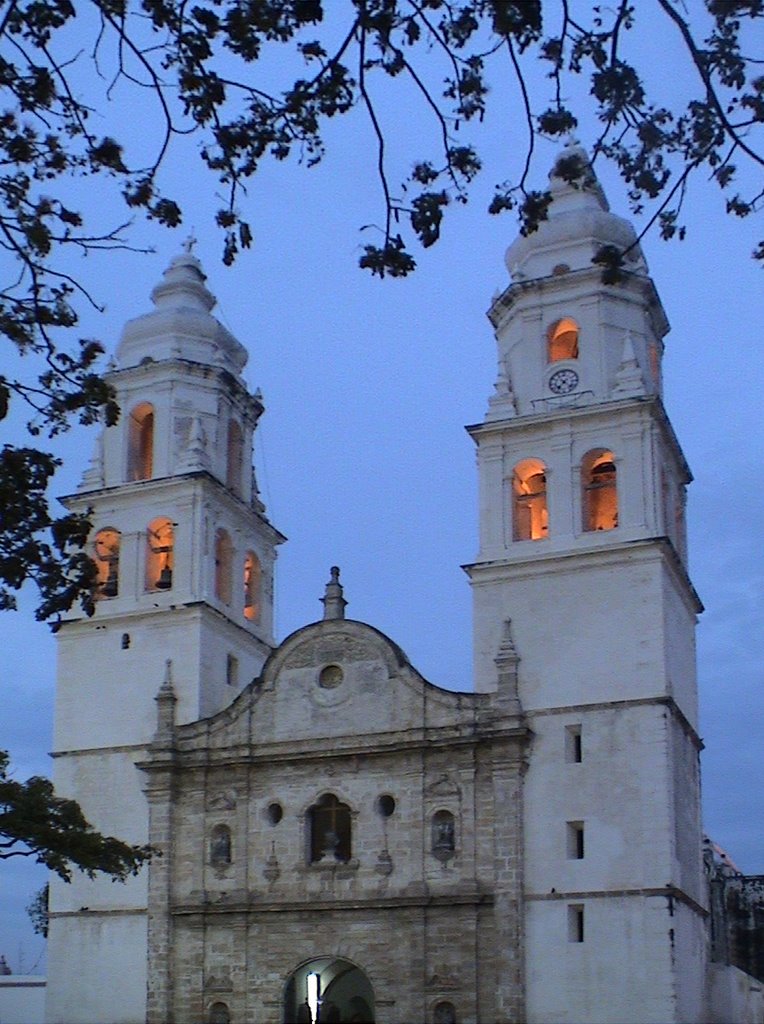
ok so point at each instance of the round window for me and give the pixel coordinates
(275, 813)
(386, 805)
(330, 676)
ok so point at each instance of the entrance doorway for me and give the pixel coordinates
(328, 990)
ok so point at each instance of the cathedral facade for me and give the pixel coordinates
(339, 839)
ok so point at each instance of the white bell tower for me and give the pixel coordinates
(582, 546)
(186, 560)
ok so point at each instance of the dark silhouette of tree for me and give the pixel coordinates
(201, 66)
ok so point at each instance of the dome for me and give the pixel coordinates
(578, 225)
(181, 325)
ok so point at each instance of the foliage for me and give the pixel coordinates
(34, 822)
(205, 66)
(38, 911)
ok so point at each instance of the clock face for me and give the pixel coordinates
(563, 382)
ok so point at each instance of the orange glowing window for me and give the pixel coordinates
(223, 560)
(140, 442)
(562, 340)
(530, 517)
(252, 575)
(600, 492)
(159, 554)
(234, 454)
(106, 548)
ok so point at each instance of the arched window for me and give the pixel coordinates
(234, 451)
(599, 490)
(530, 518)
(443, 835)
(159, 554)
(444, 1013)
(252, 575)
(106, 547)
(140, 442)
(562, 340)
(220, 846)
(223, 559)
(329, 822)
(219, 1014)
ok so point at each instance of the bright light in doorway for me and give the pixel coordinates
(314, 992)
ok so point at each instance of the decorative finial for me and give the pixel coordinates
(333, 601)
(507, 650)
(190, 242)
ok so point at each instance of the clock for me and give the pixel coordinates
(563, 382)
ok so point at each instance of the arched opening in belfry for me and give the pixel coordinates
(599, 490)
(530, 518)
(140, 442)
(328, 990)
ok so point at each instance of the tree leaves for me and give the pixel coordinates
(36, 823)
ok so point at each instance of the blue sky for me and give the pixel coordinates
(361, 455)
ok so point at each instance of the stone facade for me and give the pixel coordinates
(432, 914)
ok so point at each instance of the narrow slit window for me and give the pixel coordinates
(575, 922)
(575, 840)
(574, 751)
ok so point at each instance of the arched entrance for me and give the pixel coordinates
(328, 990)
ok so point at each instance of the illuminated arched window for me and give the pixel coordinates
(234, 451)
(106, 547)
(562, 340)
(329, 821)
(223, 559)
(530, 518)
(252, 577)
(159, 554)
(140, 442)
(599, 490)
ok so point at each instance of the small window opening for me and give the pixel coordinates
(443, 835)
(125, 641)
(219, 1014)
(444, 1013)
(232, 670)
(223, 559)
(140, 442)
(330, 676)
(600, 493)
(330, 831)
(575, 834)
(106, 545)
(274, 813)
(575, 922)
(562, 340)
(530, 516)
(386, 805)
(220, 846)
(252, 581)
(159, 554)
(234, 452)
(573, 747)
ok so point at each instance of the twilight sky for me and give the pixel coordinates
(361, 455)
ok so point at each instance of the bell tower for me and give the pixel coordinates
(582, 545)
(186, 562)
